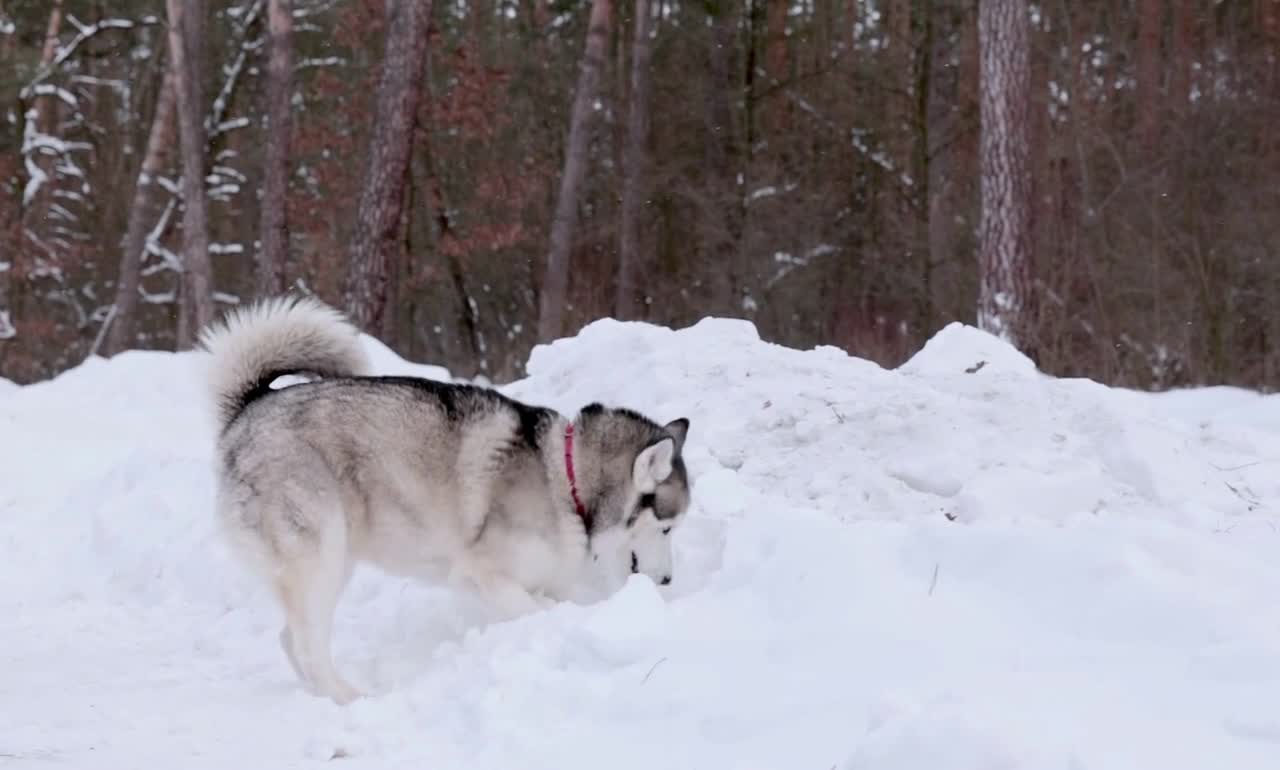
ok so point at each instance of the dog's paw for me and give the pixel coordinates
(343, 693)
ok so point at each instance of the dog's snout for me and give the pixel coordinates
(635, 563)
(666, 580)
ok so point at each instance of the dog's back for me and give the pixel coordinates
(317, 476)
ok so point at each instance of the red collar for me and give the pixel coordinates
(568, 467)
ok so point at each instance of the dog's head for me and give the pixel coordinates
(643, 491)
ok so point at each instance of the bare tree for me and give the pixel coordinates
(274, 234)
(141, 214)
(553, 295)
(378, 214)
(1005, 289)
(186, 48)
(635, 161)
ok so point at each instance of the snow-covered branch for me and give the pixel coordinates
(244, 18)
(83, 33)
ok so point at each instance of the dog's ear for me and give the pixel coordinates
(653, 465)
(679, 429)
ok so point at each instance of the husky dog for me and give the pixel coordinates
(440, 481)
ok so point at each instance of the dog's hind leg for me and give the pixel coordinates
(286, 644)
(309, 588)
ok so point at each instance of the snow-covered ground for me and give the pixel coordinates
(959, 564)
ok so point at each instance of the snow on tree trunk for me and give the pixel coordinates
(635, 160)
(142, 212)
(553, 295)
(186, 44)
(41, 154)
(274, 233)
(377, 226)
(1004, 235)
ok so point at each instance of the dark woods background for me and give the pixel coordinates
(475, 176)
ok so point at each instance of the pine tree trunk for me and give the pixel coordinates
(186, 52)
(720, 157)
(1149, 24)
(553, 295)
(775, 64)
(635, 166)
(1184, 52)
(6, 41)
(142, 212)
(378, 213)
(274, 234)
(1004, 238)
(900, 107)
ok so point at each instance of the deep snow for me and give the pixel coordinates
(958, 564)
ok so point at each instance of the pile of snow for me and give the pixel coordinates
(960, 563)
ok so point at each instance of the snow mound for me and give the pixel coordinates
(966, 429)
(961, 348)
(960, 563)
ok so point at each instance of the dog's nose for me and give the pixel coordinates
(666, 580)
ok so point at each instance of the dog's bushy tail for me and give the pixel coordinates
(250, 347)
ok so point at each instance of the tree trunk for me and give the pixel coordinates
(186, 52)
(1184, 52)
(901, 85)
(274, 236)
(635, 165)
(553, 296)
(6, 41)
(141, 214)
(1149, 24)
(775, 64)
(377, 228)
(721, 158)
(1005, 288)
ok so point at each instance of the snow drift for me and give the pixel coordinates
(960, 563)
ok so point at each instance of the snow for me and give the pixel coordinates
(957, 564)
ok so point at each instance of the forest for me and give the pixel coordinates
(1097, 182)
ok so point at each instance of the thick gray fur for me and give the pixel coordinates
(441, 481)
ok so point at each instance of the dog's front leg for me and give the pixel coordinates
(503, 593)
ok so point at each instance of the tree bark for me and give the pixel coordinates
(775, 64)
(378, 213)
(1184, 53)
(635, 166)
(721, 157)
(1149, 24)
(141, 214)
(901, 80)
(1004, 237)
(553, 296)
(186, 52)
(274, 235)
